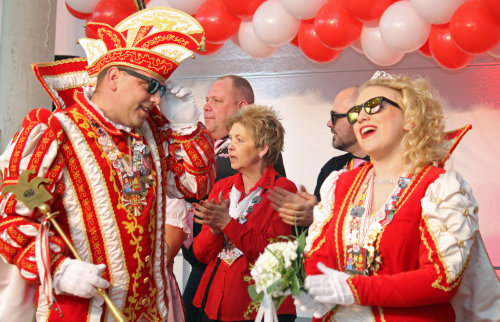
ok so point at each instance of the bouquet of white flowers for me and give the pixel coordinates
(277, 273)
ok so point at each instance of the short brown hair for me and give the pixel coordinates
(264, 126)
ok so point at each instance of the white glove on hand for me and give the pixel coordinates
(179, 107)
(330, 287)
(307, 304)
(79, 278)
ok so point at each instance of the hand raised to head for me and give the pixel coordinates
(179, 106)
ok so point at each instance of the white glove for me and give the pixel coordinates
(329, 287)
(79, 278)
(307, 304)
(179, 107)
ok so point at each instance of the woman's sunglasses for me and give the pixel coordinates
(372, 106)
(153, 85)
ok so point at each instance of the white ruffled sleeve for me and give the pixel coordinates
(177, 214)
(323, 210)
(451, 213)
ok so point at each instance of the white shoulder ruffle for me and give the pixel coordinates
(176, 214)
(323, 210)
(451, 213)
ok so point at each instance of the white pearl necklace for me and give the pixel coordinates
(385, 181)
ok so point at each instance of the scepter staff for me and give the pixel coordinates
(139, 4)
(32, 193)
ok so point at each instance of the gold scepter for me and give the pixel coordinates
(34, 194)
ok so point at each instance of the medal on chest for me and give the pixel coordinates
(134, 169)
(356, 259)
(364, 227)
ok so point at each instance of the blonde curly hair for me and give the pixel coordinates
(423, 116)
(264, 127)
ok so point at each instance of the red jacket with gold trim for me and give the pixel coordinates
(86, 190)
(424, 250)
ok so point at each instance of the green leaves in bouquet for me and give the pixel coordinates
(291, 277)
(256, 298)
(297, 279)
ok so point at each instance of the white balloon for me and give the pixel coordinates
(251, 44)
(303, 9)
(158, 3)
(82, 6)
(402, 29)
(375, 48)
(188, 6)
(357, 46)
(495, 52)
(273, 25)
(436, 11)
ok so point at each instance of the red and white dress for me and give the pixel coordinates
(123, 231)
(431, 260)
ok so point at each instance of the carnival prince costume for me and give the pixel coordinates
(108, 182)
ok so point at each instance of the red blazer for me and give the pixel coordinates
(228, 297)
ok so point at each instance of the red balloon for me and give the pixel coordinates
(111, 12)
(425, 50)
(76, 14)
(444, 50)
(210, 48)
(219, 23)
(493, 7)
(367, 10)
(243, 8)
(312, 47)
(336, 28)
(474, 29)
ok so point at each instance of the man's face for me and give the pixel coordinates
(343, 134)
(219, 106)
(133, 102)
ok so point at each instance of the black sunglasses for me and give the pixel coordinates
(372, 106)
(153, 85)
(334, 116)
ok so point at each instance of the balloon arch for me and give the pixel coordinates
(449, 31)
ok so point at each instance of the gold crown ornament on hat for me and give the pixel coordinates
(155, 40)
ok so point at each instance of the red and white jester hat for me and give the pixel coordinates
(155, 40)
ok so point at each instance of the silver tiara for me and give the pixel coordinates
(381, 74)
